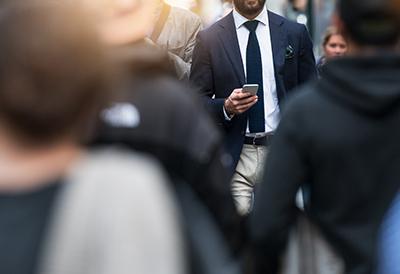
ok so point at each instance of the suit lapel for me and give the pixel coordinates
(228, 37)
(278, 41)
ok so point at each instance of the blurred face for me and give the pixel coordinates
(336, 46)
(122, 21)
(249, 8)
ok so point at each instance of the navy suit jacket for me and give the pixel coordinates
(217, 69)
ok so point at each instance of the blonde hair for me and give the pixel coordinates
(330, 31)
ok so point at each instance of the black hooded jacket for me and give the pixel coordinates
(340, 137)
(156, 114)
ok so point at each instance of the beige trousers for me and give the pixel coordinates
(249, 171)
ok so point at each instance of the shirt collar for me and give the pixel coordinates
(240, 19)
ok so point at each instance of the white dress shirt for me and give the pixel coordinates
(271, 108)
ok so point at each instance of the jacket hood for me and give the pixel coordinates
(368, 84)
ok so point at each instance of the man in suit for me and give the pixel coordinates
(251, 45)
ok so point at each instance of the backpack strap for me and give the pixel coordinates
(161, 22)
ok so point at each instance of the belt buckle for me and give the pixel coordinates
(257, 136)
(254, 139)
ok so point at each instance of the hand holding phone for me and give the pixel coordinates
(250, 88)
(240, 100)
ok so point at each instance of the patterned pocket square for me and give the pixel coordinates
(289, 53)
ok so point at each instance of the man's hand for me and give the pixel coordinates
(239, 102)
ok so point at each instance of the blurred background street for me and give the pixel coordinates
(316, 14)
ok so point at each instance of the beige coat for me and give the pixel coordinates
(179, 38)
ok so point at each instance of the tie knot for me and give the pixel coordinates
(251, 25)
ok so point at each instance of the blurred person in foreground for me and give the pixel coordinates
(251, 45)
(157, 114)
(63, 209)
(333, 45)
(341, 137)
(175, 31)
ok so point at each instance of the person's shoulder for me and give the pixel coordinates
(117, 167)
(169, 100)
(211, 32)
(109, 173)
(289, 24)
(302, 100)
(143, 59)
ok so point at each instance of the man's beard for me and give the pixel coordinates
(249, 7)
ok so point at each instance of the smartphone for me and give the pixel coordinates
(250, 88)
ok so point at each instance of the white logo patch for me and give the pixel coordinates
(121, 115)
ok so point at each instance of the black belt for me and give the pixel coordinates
(259, 141)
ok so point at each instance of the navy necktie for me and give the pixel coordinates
(255, 76)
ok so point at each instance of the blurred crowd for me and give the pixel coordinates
(140, 137)
(211, 10)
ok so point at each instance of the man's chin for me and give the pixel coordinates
(252, 11)
(250, 7)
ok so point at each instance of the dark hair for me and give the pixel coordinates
(371, 22)
(53, 71)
